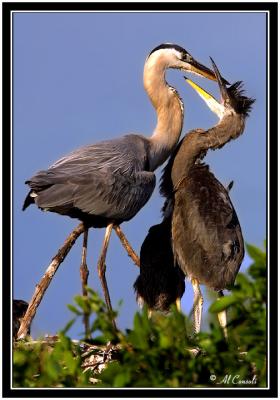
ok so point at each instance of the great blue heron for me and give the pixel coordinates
(207, 240)
(109, 182)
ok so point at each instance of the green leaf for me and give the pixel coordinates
(19, 357)
(257, 255)
(68, 326)
(74, 309)
(83, 302)
(164, 341)
(244, 287)
(122, 379)
(222, 303)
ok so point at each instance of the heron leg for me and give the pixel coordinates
(102, 270)
(178, 304)
(84, 279)
(42, 286)
(131, 253)
(222, 317)
(197, 305)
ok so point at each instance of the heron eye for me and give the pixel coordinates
(187, 57)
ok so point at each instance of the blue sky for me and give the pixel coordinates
(77, 79)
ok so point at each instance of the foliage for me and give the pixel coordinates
(93, 304)
(41, 366)
(161, 351)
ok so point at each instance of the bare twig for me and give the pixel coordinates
(127, 245)
(42, 286)
(84, 278)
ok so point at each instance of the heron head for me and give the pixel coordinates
(174, 56)
(232, 98)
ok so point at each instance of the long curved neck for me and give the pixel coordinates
(170, 113)
(197, 142)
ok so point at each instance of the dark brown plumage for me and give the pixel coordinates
(206, 234)
(19, 309)
(160, 283)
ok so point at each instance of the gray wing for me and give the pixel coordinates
(107, 179)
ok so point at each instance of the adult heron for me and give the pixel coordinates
(206, 235)
(107, 183)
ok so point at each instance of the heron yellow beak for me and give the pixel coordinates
(216, 107)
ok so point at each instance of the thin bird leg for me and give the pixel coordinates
(42, 286)
(178, 304)
(197, 305)
(222, 317)
(102, 270)
(84, 279)
(127, 245)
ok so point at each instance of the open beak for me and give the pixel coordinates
(216, 107)
(231, 97)
(196, 68)
(211, 102)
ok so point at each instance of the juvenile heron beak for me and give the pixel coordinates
(220, 80)
(212, 103)
(231, 98)
(196, 68)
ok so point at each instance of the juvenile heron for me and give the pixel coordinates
(107, 183)
(206, 235)
(159, 283)
(19, 309)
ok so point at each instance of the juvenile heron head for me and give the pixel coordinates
(174, 56)
(232, 98)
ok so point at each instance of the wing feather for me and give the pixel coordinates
(107, 179)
